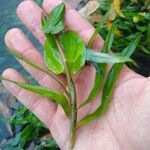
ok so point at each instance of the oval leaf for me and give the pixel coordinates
(55, 22)
(59, 98)
(74, 50)
(52, 57)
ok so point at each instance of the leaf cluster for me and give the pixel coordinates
(66, 53)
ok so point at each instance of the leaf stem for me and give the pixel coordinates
(73, 101)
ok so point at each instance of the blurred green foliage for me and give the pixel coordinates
(32, 132)
(136, 19)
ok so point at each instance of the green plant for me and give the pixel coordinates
(65, 52)
(28, 122)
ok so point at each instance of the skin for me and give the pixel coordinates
(125, 125)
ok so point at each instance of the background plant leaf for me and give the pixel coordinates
(109, 39)
(99, 27)
(45, 92)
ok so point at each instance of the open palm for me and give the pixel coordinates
(125, 126)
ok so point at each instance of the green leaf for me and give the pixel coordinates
(98, 57)
(109, 85)
(43, 19)
(45, 92)
(100, 69)
(46, 144)
(74, 50)
(27, 61)
(23, 116)
(144, 49)
(52, 57)
(127, 52)
(99, 78)
(55, 22)
(23, 137)
(99, 27)
(105, 4)
(109, 39)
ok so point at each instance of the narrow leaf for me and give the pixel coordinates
(109, 85)
(52, 57)
(55, 22)
(100, 69)
(99, 77)
(74, 50)
(98, 57)
(127, 52)
(45, 92)
(104, 4)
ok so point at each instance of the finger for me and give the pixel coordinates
(17, 41)
(30, 14)
(43, 108)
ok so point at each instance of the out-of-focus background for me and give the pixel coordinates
(16, 122)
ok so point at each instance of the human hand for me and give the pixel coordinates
(125, 125)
